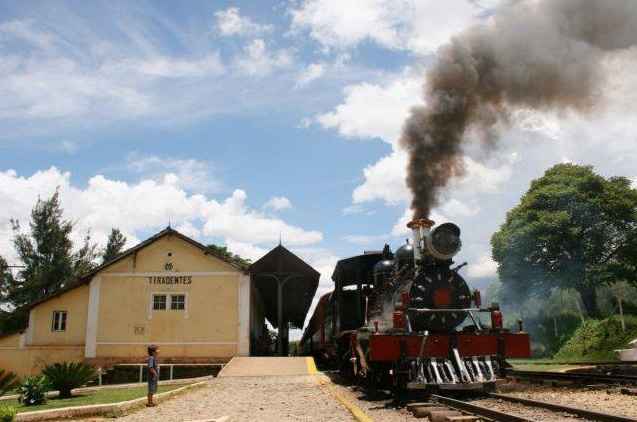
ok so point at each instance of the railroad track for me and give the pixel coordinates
(449, 409)
(576, 377)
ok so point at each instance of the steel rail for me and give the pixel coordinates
(588, 414)
(573, 376)
(481, 411)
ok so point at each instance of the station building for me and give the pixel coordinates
(169, 290)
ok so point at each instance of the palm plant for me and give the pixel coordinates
(8, 381)
(66, 376)
(33, 390)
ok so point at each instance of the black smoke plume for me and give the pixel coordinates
(538, 54)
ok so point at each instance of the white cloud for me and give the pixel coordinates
(376, 110)
(190, 174)
(311, 72)
(419, 26)
(246, 250)
(171, 67)
(143, 206)
(278, 203)
(367, 239)
(485, 267)
(230, 22)
(257, 60)
(384, 180)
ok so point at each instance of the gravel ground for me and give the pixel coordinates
(604, 400)
(285, 398)
(533, 413)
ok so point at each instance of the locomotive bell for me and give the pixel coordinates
(443, 242)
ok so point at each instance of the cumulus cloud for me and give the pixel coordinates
(393, 24)
(230, 22)
(377, 110)
(258, 60)
(278, 203)
(143, 206)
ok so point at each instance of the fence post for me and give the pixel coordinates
(141, 373)
(171, 371)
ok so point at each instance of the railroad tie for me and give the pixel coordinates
(463, 418)
(425, 411)
(442, 415)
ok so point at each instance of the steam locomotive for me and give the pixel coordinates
(408, 320)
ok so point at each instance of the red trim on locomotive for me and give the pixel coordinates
(517, 345)
(387, 347)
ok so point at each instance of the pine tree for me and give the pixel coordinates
(114, 246)
(47, 254)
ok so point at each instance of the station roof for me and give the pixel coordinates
(298, 292)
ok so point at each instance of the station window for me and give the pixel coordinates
(159, 302)
(178, 302)
(59, 321)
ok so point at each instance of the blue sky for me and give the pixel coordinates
(243, 121)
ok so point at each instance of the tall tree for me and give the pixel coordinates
(223, 252)
(47, 254)
(572, 229)
(114, 246)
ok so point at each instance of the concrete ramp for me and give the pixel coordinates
(268, 367)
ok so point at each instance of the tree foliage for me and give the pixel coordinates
(223, 252)
(572, 229)
(114, 246)
(47, 254)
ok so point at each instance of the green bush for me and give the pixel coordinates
(8, 381)
(7, 413)
(598, 339)
(66, 376)
(33, 390)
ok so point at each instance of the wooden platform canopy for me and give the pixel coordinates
(286, 285)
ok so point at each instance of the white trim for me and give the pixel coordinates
(92, 320)
(171, 273)
(243, 289)
(99, 343)
(31, 327)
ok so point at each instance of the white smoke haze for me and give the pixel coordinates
(546, 55)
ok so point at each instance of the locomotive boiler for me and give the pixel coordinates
(409, 320)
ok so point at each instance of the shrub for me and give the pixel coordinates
(33, 390)
(8, 381)
(66, 376)
(598, 339)
(7, 413)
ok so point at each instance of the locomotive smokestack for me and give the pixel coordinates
(548, 55)
(420, 228)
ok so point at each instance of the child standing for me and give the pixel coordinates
(153, 373)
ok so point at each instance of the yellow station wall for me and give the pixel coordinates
(126, 323)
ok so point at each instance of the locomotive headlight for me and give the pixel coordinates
(444, 241)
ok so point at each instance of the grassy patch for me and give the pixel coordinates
(598, 340)
(104, 396)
